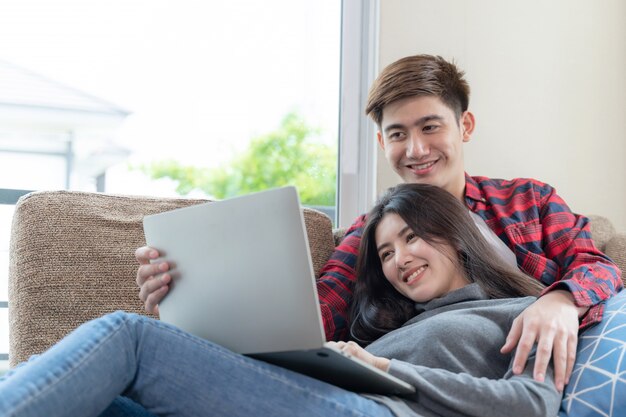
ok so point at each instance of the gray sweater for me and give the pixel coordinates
(450, 352)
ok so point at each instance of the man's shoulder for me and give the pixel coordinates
(352, 234)
(510, 187)
(511, 183)
(358, 223)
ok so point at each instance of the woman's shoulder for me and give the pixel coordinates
(488, 307)
(504, 304)
(501, 310)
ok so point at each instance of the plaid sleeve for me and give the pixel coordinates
(588, 274)
(336, 282)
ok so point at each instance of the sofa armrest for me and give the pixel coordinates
(71, 259)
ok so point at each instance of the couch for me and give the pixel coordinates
(72, 259)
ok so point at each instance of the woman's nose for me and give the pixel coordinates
(403, 257)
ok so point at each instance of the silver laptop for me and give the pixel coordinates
(243, 278)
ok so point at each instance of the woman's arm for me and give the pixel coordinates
(460, 394)
(451, 394)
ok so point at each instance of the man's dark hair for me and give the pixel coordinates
(418, 75)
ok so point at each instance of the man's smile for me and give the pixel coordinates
(422, 168)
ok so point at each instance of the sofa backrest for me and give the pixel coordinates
(609, 241)
(72, 259)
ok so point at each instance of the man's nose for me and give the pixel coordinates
(417, 147)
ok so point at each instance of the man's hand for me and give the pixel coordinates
(152, 278)
(552, 323)
(357, 351)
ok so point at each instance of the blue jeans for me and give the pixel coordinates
(167, 371)
(125, 407)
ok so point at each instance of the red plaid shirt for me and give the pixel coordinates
(550, 242)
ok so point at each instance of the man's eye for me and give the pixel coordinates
(396, 136)
(430, 128)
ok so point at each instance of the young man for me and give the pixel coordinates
(420, 105)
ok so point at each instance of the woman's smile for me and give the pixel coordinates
(413, 275)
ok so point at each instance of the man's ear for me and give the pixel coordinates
(381, 141)
(468, 123)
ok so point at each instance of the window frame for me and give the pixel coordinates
(356, 190)
(9, 196)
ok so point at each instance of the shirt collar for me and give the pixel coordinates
(470, 292)
(472, 191)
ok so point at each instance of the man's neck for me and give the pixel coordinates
(459, 191)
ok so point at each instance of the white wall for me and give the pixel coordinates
(548, 83)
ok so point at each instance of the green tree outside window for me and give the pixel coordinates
(288, 155)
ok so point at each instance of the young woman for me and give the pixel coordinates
(430, 307)
(433, 295)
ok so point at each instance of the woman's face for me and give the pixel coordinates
(416, 269)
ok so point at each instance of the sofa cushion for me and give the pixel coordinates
(72, 259)
(597, 386)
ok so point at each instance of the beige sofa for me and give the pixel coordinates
(72, 259)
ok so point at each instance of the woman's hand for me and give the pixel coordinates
(152, 278)
(357, 351)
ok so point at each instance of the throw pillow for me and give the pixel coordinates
(597, 386)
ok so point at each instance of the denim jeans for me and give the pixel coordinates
(125, 407)
(168, 372)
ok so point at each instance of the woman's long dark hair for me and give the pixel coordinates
(438, 218)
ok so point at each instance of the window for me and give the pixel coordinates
(94, 95)
(5, 215)
(7, 199)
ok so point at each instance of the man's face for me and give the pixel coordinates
(422, 140)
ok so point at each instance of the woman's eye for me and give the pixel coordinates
(410, 237)
(385, 255)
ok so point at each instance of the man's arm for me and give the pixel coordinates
(582, 278)
(336, 283)
(584, 271)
